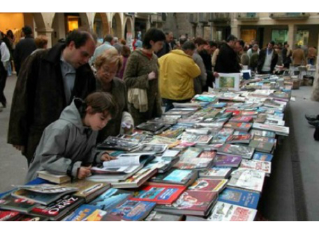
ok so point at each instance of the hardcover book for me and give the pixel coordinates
(158, 193)
(58, 179)
(205, 184)
(230, 212)
(130, 211)
(227, 160)
(264, 166)
(239, 197)
(191, 203)
(244, 151)
(215, 173)
(176, 176)
(247, 179)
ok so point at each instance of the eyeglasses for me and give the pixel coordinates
(106, 70)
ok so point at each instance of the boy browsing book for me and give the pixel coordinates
(67, 146)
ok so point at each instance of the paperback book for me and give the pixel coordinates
(206, 184)
(264, 166)
(243, 198)
(215, 173)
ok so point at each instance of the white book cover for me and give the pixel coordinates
(247, 179)
(280, 130)
(259, 165)
(228, 212)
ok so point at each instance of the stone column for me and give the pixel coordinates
(47, 32)
(315, 92)
(292, 29)
(193, 30)
(212, 31)
(201, 26)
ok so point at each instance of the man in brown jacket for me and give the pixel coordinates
(298, 57)
(47, 82)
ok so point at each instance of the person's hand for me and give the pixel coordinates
(151, 76)
(107, 157)
(19, 147)
(216, 75)
(84, 171)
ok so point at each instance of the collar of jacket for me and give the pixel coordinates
(54, 54)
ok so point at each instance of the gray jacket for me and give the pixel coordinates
(200, 80)
(65, 145)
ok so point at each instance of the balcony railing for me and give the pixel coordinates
(247, 16)
(289, 16)
(218, 17)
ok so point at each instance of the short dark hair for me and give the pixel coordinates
(241, 43)
(102, 102)
(27, 30)
(200, 41)
(125, 51)
(108, 38)
(231, 38)
(182, 40)
(41, 41)
(78, 37)
(153, 34)
(188, 45)
(212, 43)
(272, 42)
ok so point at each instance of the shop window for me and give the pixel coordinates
(279, 36)
(302, 37)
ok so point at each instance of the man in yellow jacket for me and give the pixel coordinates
(176, 74)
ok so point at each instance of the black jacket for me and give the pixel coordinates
(39, 96)
(227, 61)
(262, 57)
(23, 49)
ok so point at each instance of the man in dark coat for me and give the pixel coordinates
(47, 83)
(24, 48)
(227, 61)
(267, 59)
(167, 46)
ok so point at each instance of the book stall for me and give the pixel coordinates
(206, 160)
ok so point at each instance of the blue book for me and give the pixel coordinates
(219, 105)
(262, 156)
(178, 175)
(239, 197)
(83, 212)
(130, 211)
(110, 199)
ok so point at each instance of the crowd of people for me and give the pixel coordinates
(57, 116)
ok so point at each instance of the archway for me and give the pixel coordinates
(116, 26)
(101, 26)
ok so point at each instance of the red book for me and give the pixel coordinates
(159, 193)
(8, 215)
(191, 202)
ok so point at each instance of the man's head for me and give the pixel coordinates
(182, 40)
(79, 48)
(169, 37)
(189, 47)
(115, 40)
(200, 43)
(255, 47)
(211, 47)
(271, 45)
(231, 41)
(27, 31)
(108, 38)
(239, 46)
(286, 45)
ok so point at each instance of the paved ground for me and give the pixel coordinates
(290, 193)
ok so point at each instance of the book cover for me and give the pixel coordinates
(130, 211)
(153, 148)
(263, 133)
(264, 166)
(239, 138)
(8, 215)
(47, 188)
(158, 193)
(191, 203)
(266, 147)
(194, 163)
(163, 164)
(244, 151)
(208, 154)
(229, 212)
(239, 119)
(262, 156)
(8, 202)
(239, 197)
(191, 152)
(86, 213)
(279, 130)
(247, 179)
(158, 216)
(117, 143)
(215, 172)
(111, 198)
(176, 176)
(205, 184)
(57, 209)
(227, 160)
(137, 179)
(238, 126)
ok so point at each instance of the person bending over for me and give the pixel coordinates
(67, 146)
